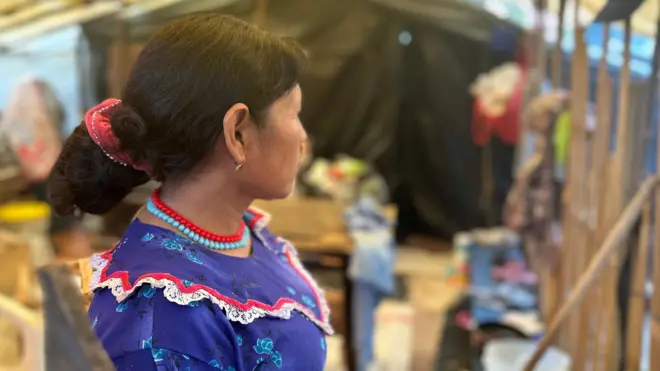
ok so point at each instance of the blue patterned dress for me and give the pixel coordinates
(163, 302)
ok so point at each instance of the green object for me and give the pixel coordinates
(562, 137)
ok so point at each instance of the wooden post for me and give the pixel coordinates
(620, 172)
(578, 187)
(597, 185)
(637, 300)
(574, 221)
(655, 298)
(610, 247)
(261, 13)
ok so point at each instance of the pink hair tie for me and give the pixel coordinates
(97, 121)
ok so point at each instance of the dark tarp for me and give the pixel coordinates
(387, 82)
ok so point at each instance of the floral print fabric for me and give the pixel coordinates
(146, 331)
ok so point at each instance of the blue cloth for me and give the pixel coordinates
(374, 254)
(164, 303)
(371, 268)
(366, 299)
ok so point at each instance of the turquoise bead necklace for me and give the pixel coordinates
(207, 239)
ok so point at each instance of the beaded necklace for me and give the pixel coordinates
(159, 209)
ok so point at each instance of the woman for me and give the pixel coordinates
(198, 282)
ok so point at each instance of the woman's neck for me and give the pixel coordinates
(217, 208)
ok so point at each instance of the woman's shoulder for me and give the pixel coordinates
(146, 322)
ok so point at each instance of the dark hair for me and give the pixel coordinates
(183, 82)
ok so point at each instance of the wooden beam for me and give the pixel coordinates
(609, 248)
(15, 37)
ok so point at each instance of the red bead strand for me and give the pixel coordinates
(236, 237)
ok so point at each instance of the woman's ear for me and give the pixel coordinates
(234, 123)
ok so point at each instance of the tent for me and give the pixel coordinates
(388, 82)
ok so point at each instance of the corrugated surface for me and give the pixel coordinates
(644, 19)
(33, 19)
(21, 20)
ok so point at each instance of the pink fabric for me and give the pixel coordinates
(97, 120)
(514, 272)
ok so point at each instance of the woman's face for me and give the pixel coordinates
(273, 152)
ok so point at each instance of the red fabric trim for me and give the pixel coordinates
(257, 217)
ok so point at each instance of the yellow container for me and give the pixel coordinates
(24, 212)
(30, 219)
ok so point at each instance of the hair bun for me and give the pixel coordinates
(129, 127)
(85, 178)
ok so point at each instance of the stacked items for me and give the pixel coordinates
(458, 271)
(502, 289)
(16, 298)
(30, 221)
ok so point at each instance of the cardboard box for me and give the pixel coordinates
(393, 337)
(17, 278)
(303, 218)
(295, 217)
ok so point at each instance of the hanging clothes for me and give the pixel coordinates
(497, 104)
(32, 130)
(561, 138)
(529, 207)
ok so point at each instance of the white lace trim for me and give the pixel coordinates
(98, 264)
(173, 294)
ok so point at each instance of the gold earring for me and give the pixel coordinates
(238, 167)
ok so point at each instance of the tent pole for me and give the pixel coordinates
(261, 13)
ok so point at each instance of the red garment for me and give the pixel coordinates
(506, 126)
